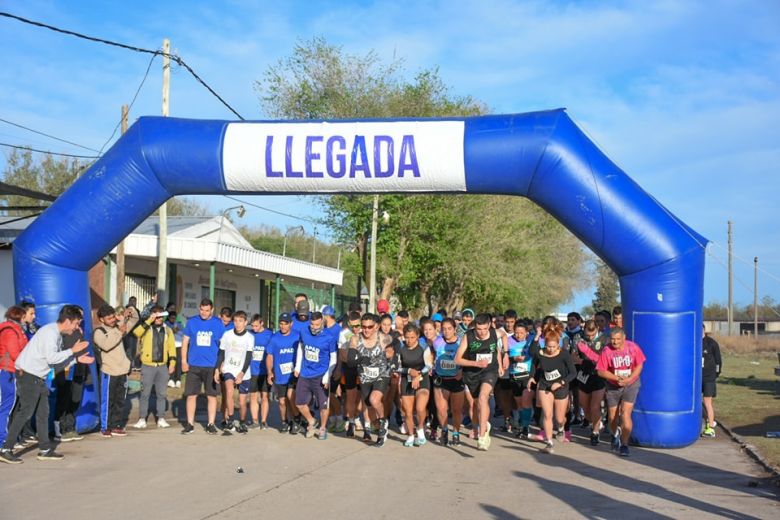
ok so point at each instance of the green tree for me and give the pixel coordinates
(484, 251)
(50, 174)
(607, 294)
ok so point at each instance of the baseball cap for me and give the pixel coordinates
(383, 306)
(458, 315)
(285, 317)
(328, 311)
(302, 307)
(437, 317)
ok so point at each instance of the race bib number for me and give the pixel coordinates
(286, 368)
(312, 355)
(234, 362)
(203, 339)
(623, 373)
(485, 357)
(448, 364)
(583, 377)
(370, 372)
(521, 368)
(552, 376)
(257, 355)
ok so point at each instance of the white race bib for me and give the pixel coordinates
(286, 368)
(312, 355)
(371, 372)
(257, 355)
(582, 377)
(448, 364)
(521, 368)
(485, 357)
(234, 362)
(623, 373)
(203, 339)
(552, 376)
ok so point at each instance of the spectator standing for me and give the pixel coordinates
(114, 367)
(156, 349)
(12, 342)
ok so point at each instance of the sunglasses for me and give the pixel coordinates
(369, 327)
(354, 325)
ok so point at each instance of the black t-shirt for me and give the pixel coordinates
(478, 349)
(710, 359)
(556, 369)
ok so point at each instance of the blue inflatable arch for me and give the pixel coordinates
(543, 156)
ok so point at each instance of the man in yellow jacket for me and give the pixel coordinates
(156, 348)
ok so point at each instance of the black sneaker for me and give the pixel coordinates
(524, 432)
(585, 424)
(444, 440)
(8, 457)
(507, 426)
(295, 428)
(455, 441)
(366, 436)
(594, 439)
(242, 429)
(188, 429)
(285, 427)
(350, 430)
(577, 420)
(211, 429)
(49, 454)
(623, 451)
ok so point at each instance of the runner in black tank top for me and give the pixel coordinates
(415, 364)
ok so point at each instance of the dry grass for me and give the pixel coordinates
(748, 344)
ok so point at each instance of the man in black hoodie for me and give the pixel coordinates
(711, 365)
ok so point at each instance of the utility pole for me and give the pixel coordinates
(162, 261)
(755, 297)
(120, 249)
(731, 281)
(372, 279)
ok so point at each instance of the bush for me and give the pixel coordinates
(748, 344)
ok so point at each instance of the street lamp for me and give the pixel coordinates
(290, 230)
(213, 267)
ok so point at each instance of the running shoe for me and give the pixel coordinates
(264, 426)
(323, 434)
(380, 441)
(409, 442)
(455, 441)
(402, 429)
(433, 435)
(542, 437)
(162, 423)
(310, 431)
(350, 430)
(253, 426)
(118, 432)
(467, 422)
(708, 432)
(444, 438)
(50, 454)
(615, 442)
(524, 432)
(585, 424)
(624, 451)
(576, 420)
(566, 436)
(211, 429)
(382, 434)
(367, 436)
(557, 434)
(224, 425)
(8, 457)
(284, 427)
(594, 439)
(419, 441)
(481, 444)
(188, 429)
(548, 447)
(295, 428)
(71, 436)
(242, 429)
(507, 426)
(140, 425)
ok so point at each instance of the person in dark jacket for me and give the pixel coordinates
(711, 366)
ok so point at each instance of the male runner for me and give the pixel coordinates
(280, 362)
(258, 384)
(233, 370)
(313, 368)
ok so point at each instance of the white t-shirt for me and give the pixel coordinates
(235, 348)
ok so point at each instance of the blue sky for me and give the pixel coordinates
(684, 96)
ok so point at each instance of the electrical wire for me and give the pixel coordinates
(47, 135)
(178, 59)
(311, 221)
(48, 152)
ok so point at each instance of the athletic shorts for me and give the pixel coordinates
(519, 385)
(378, 385)
(350, 378)
(406, 386)
(626, 394)
(281, 390)
(709, 389)
(474, 380)
(591, 383)
(200, 377)
(260, 384)
(308, 388)
(504, 383)
(560, 394)
(449, 384)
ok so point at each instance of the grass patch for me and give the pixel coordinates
(748, 400)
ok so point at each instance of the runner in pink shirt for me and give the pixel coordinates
(620, 365)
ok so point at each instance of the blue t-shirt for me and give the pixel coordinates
(334, 331)
(204, 340)
(520, 348)
(445, 357)
(298, 325)
(259, 352)
(283, 349)
(316, 353)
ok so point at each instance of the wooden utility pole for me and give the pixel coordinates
(755, 297)
(120, 249)
(731, 282)
(162, 261)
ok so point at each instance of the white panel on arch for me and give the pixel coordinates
(400, 156)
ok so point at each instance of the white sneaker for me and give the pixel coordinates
(162, 423)
(140, 425)
(171, 383)
(178, 384)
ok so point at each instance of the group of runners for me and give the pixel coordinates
(435, 378)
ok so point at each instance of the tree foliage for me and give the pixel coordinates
(50, 174)
(607, 294)
(768, 310)
(488, 252)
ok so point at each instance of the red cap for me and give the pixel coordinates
(383, 306)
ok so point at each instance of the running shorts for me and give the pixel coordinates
(449, 384)
(308, 388)
(519, 386)
(406, 385)
(350, 378)
(590, 383)
(259, 384)
(200, 377)
(626, 394)
(474, 380)
(378, 385)
(560, 394)
(709, 389)
(281, 390)
(504, 383)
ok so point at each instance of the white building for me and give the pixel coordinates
(205, 254)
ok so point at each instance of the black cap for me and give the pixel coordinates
(302, 307)
(285, 317)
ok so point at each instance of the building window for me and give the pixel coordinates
(222, 298)
(140, 286)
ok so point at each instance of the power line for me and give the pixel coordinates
(48, 152)
(311, 221)
(174, 57)
(47, 135)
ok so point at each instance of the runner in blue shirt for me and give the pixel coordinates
(313, 367)
(280, 362)
(199, 351)
(301, 316)
(259, 382)
(448, 387)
